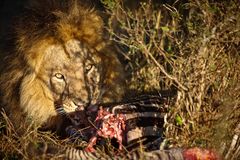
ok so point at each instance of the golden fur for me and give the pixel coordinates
(61, 56)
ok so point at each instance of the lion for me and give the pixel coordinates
(61, 55)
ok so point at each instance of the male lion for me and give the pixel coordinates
(61, 56)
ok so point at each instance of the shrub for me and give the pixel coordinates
(193, 47)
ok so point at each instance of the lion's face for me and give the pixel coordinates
(62, 57)
(73, 74)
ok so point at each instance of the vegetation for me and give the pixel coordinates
(190, 46)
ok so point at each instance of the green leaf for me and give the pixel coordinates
(165, 29)
(179, 120)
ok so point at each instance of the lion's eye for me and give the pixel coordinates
(59, 76)
(88, 67)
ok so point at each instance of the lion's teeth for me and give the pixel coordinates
(70, 108)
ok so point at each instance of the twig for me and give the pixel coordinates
(162, 68)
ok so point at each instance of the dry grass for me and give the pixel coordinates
(31, 144)
(192, 47)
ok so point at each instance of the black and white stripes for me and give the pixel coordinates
(144, 126)
(144, 118)
(171, 154)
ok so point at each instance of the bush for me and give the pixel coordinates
(192, 47)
